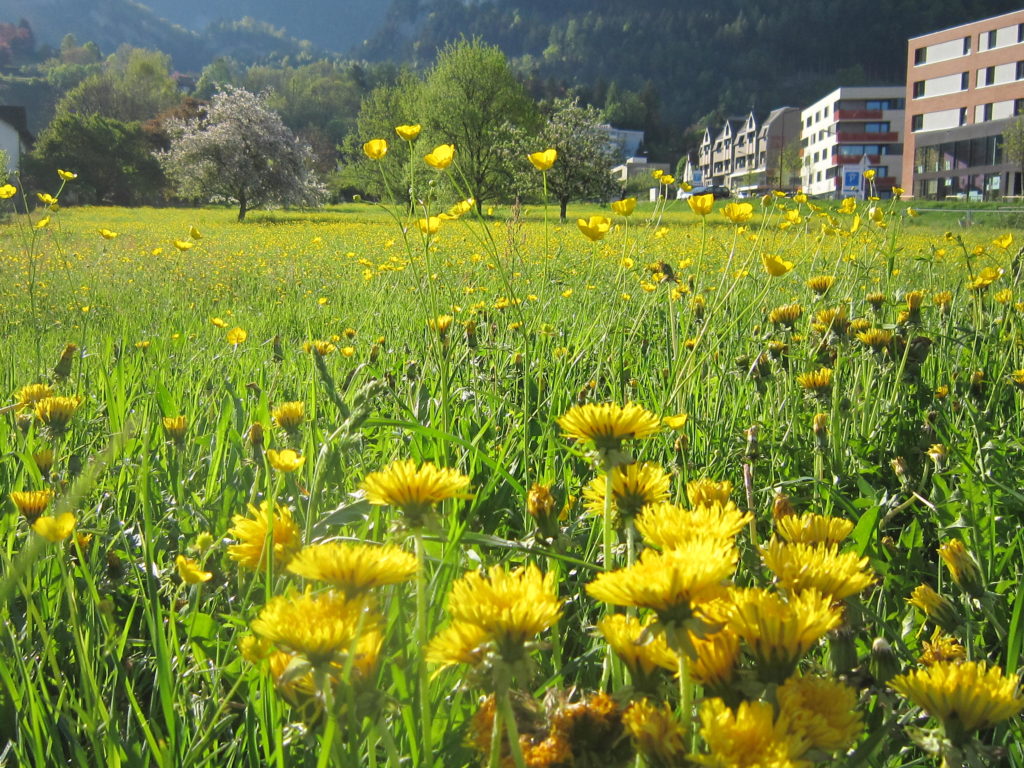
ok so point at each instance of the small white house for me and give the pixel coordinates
(15, 138)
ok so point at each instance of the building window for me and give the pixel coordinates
(876, 127)
(918, 89)
(807, 122)
(992, 36)
(986, 112)
(964, 81)
(1018, 107)
(963, 115)
(990, 75)
(967, 44)
(825, 112)
(916, 122)
(920, 56)
(1019, 74)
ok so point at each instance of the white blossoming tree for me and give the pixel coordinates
(239, 149)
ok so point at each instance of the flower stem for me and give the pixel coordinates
(421, 641)
(685, 691)
(607, 520)
(505, 706)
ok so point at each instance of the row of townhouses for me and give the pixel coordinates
(937, 136)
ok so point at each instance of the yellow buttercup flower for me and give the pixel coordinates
(408, 132)
(1004, 241)
(542, 161)
(965, 696)
(624, 207)
(194, 233)
(738, 213)
(267, 524)
(441, 157)
(183, 245)
(430, 225)
(869, 174)
(414, 489)
(55, 529)
(107, 234)
(774, 265)
(701, 204)
(190, 572)
(219, 322)
(375, 149)
(285, 460)
(237, 335)
(66, 175)
(42, 223)
(7, 191)
(594, 228)
(667, 179)
(677, 422)
(353, 568)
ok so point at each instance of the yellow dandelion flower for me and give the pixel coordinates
(288, 416)
(656, 732)
(786, 315)
(353, 568)
(812, 528)
(677, 422)
(942, 647)
(318, 347)
(175, 427)
(44, 461)
(670, 583)
(965, 696)
(414, 489)
(715, 657)
(642, 650)
(963, 567)
(56, 413)
(607, 425)
(633, 487)
(265, 525)
(31, 504)
(190, 572)
(459, 643)
(821, 284)
(938, 608)
(31, 394)
(747, 737)
(799, 567)
(706, 491)
(780, 632)
(55, 529)
(322, 628)
(285, 460)
(818, 383)
(875, 338)
(821, 710)
(668, 526)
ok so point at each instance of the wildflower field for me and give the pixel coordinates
(691, 483)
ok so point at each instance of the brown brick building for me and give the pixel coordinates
(965, 86)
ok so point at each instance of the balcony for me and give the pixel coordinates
(855, 159)
(857, 137)
(857, 114)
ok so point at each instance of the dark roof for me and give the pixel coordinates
(18, 120)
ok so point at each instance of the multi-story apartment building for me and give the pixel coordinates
(847, 126)
(746, 154)
(965, 86)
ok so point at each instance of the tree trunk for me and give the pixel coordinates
(242, 207)
(563, 203)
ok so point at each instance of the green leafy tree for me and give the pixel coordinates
(113, 159)
(240, 150)
(585, 159)
(469, 99)
(135, 85)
